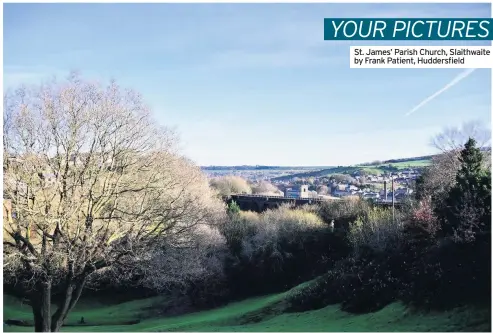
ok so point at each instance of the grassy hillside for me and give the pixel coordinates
(369, 169)
(408, 164)
(265, 314)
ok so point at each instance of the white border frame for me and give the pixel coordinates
(221, 1)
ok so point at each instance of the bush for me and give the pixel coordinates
(360, 284)
(420, 230)
(378, 230)
(240, 227)
(266, 188)
(233, 209)
(316, 295)
(278, 249)
(228, 185)
(368, 283)
(450, 274)
(342, 212)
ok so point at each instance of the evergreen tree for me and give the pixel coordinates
(233, 209)
(419, 187)
(468, 205)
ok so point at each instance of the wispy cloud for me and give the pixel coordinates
(274, 59)
(449, 85)
(15, 76)
(296, 40)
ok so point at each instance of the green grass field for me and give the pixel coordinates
(369, 169)
(265, 314)
(409, 164)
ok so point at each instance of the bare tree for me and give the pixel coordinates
(344, 178)
(439, 177)
(323, 189)
(94, 184)
(228, 185)
(265, 188)
(454, 138)
(297, 180)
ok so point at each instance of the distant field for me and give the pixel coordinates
(261, 314)
(409, 164)
(288, 172)
(330, 171)
(369, 169)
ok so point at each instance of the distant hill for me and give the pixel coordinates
(368, 168)
(409, 159)
(261, 167)
(321, 171)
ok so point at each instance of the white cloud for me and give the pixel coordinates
(15, 76)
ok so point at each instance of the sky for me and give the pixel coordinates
(252, 84)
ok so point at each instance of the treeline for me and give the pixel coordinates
(411, 159)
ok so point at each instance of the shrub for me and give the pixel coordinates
(233, 209)
(450, 274)
(240, 227)
(368, 283)
(316, 295)
(421, 228)
(278, 249)
(378, 230)
(228, 185)
(343, 212)
(266, 188)
(360, 284)
(367, 280)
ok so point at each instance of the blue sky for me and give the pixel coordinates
(251, 83)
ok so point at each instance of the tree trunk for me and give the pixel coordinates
(41, 304)
(73, 290)
(62, 311)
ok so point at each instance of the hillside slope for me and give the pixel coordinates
(367, 168)
(267, 313)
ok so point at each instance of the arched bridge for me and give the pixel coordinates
(260, 203)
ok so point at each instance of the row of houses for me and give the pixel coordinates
(398, 176)
(347, 190)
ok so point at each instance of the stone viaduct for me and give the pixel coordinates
(260, 203)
